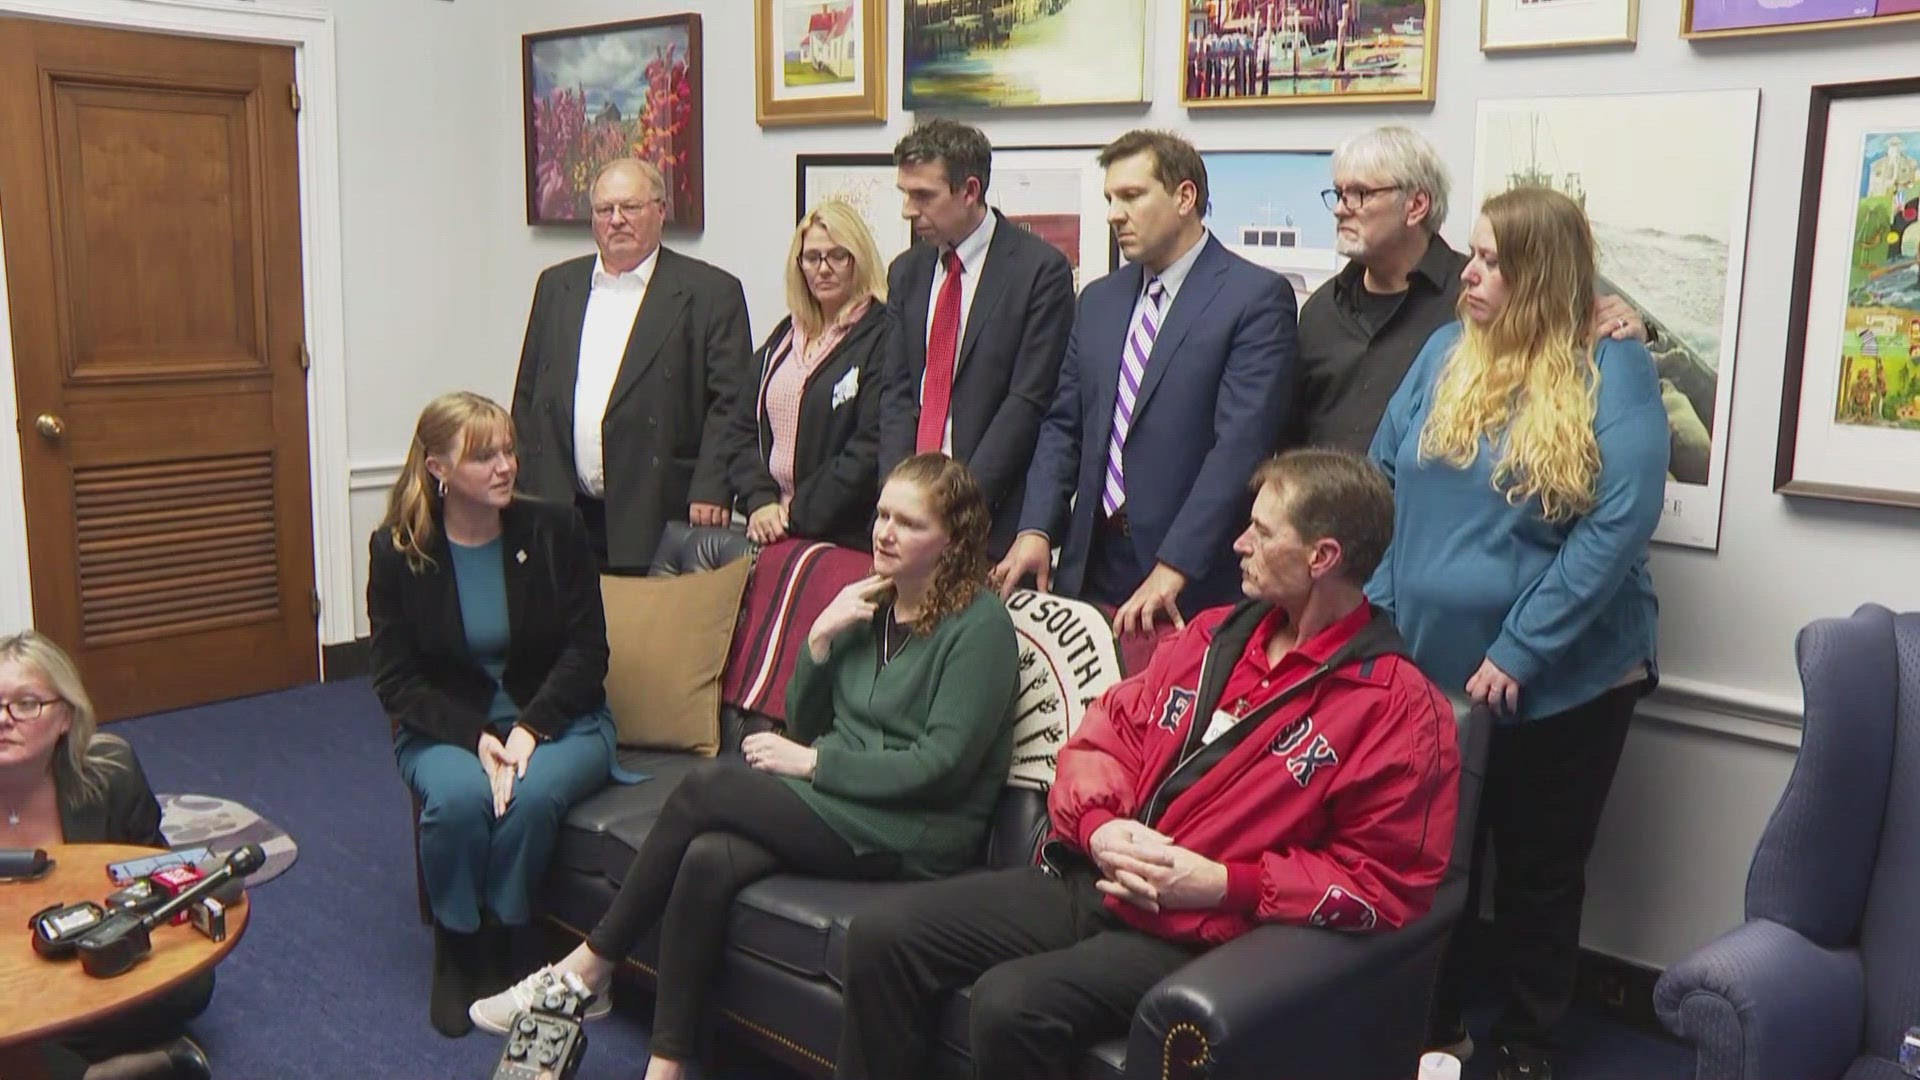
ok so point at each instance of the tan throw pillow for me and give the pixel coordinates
(667, 641)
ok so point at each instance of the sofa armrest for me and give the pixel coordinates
(1761, 1002)
(1292, 1003)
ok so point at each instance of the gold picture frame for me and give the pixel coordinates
(1338, 68)
(1511, 26)
(1827, 16)
(819, 62)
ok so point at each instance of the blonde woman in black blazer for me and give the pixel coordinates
(490, 657)
(805, 451)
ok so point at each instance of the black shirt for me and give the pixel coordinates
(1355, 347)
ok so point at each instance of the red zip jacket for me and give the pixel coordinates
(1336, 809)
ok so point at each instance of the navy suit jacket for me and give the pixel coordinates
(1212, 405)
(1005, 367)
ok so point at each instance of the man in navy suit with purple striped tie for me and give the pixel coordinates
(1176, 384)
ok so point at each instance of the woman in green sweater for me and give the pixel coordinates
(899, 739)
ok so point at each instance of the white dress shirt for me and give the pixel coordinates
(612, 307)
(973, 256)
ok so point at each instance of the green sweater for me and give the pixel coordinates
(911, 757)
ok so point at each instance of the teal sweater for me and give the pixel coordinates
(1567, 610)
(911, 757)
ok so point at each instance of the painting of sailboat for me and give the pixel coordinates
(1670, 218)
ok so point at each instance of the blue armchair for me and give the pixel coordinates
(1823, 979)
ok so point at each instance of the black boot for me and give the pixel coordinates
(496, 959)
(187, 1060)
(457, 960)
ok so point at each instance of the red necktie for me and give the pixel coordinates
(937, 391)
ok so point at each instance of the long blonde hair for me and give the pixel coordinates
(83, 749)
(843, 224)
(451, 427)
(1527, 380)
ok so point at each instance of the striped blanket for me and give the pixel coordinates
(793, 582)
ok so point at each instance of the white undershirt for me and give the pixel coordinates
(612, 307)
(973, 256)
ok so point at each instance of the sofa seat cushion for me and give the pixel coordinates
(603, 830)
(800, 923)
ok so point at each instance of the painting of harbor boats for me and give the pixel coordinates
(1669, 215)
(1299, 52)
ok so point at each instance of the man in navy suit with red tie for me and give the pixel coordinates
(981, 311)
(1176, 384)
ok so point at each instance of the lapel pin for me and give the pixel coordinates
(520, 556)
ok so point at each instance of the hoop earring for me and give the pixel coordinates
(443, 489)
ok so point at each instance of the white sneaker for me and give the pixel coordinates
(495, 1014)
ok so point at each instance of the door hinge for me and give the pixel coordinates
(305, 358)
(313, 601)
(293, 96)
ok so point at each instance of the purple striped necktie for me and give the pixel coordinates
(1133, 363)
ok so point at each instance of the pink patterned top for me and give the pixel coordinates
(786, 383)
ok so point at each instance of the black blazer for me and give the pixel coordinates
(557, 657)
(1005, 369)
(125, 813)
(835, 482)
(665, 424)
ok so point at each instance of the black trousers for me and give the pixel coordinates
(1546, 785)
(1052, 973)
(725, 827)
(145, 1027)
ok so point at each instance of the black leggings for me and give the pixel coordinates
(725, 827)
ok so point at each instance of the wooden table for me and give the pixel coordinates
(40, 998)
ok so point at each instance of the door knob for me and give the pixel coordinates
(49, 425)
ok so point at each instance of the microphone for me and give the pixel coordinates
(113, 947)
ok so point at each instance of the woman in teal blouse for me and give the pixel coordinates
(490, 658)
(900, 736)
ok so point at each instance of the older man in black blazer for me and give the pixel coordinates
(631, 360)
(976, 353)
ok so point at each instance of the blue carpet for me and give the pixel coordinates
(331, 979)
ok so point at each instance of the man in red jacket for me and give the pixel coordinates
(1278, 761)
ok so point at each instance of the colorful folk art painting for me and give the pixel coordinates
(1879, 384)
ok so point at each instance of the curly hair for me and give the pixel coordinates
(1527, 381)
(956, 500)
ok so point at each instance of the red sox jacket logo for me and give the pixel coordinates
(1339, 909)
(1179, 704)
(1311, 760)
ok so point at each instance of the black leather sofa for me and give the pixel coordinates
(1279, 1003)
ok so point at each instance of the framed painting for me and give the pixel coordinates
(997, 54)
(1517, 25)
(596, 93)
(819, 61)
(1850, 406)
(1267, 209)
(1309, 52)
(1742, 18)
(1056, 192)
(1676, 252)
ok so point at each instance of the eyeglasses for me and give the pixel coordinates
(838, 258)
(605, 211)
(23, 709)
(1353, 197)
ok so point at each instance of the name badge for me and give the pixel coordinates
(1222, 721)
(847, 388)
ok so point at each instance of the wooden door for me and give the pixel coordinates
(149, 195)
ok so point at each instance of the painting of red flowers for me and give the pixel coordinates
(597, 93)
